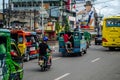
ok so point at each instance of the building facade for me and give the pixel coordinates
(1, 18)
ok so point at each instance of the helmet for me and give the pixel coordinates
(45, 38)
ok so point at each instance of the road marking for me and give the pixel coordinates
(62, 76)
(95, 60)
(56, 58)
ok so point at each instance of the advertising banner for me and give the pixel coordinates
(85, 15)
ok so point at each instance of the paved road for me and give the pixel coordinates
(97, 64)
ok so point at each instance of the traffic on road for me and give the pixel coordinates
(59, 40)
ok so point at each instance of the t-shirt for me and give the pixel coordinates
(43, 48)
(66, 38)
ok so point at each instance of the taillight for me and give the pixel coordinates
(104, 40)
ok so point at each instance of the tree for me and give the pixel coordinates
(66, 24)
(57, 26)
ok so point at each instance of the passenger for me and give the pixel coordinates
(66, 40)
(71, 39)
(61, 36)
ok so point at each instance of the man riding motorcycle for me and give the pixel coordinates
(44, 50)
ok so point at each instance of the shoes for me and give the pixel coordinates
(48, 63)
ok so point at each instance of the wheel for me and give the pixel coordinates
(43, 67)
(17, 78)
(49, 66)
(85, 51)
(81, 53)
(111, 48)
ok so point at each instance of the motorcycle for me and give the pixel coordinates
(43, 63)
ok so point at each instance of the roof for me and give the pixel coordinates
(110, 17)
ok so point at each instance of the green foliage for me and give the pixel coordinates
(66, 24)
(57, 26)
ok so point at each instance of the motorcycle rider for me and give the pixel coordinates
(43, 49)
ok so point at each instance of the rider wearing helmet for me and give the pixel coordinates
(43, 47)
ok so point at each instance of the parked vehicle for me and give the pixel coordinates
(11, 61)
(98, 39)
(27, 43)
(111, 32)
(79, 45)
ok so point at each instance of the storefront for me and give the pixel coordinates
(50, 31)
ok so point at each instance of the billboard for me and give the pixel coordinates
(85, 15)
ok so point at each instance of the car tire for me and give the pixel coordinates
(111, 48)
(85, 51)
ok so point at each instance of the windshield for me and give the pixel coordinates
(30, 39)
(113, 22)
(20, 39)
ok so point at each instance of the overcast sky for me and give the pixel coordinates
(1, 3)
(106, 7)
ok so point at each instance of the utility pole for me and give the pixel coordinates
(42, 19)
(3, 12)
(9, 4)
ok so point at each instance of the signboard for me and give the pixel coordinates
(86, 19)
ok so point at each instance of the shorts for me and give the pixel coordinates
(48, 54)
(68, 42)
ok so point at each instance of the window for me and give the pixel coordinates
(28, 38)
(113, 22)
(20, 39)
